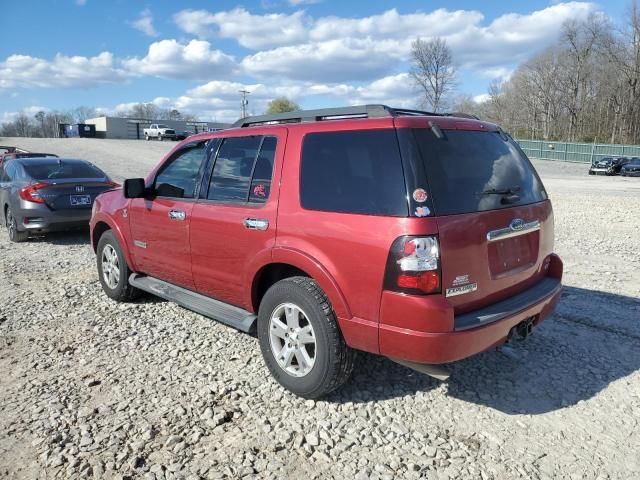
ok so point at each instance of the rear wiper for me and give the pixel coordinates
(501, 191)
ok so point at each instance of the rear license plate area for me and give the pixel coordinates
(80, 200)
(513, 254)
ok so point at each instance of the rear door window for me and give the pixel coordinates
(243, 169)
(262, 171)
(232, 171)
(474, 171)
(353, 172)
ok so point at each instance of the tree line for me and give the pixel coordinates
(46, 123)
(585, 87)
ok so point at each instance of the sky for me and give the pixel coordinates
(197, 55)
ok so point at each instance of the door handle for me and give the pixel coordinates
(256, 223)
(177, 215)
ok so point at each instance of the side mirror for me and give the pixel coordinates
(134, 188)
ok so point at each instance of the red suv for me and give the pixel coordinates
(424, 238)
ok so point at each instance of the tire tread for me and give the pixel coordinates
(341, 367)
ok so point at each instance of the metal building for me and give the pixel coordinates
(132, 128)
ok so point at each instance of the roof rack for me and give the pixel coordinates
(299, 116)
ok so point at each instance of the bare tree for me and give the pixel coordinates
(433, 70)
(82, 113)
(40, 116)
(24, 126)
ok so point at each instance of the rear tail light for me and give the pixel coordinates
(31, 194)
(413, 266)
(112, 184)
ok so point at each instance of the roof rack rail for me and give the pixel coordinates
(299, 116)
(462, 115)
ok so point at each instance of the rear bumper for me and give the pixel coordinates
(604, 171)
(53, 221)
(630, 174)
(467, 338)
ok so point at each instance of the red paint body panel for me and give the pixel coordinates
(428, 347)
(346, 253)
(465, 251)
(167, 254)
(109, 208)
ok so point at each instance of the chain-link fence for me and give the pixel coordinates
(576, 152)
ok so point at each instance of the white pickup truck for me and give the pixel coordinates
(159, 132)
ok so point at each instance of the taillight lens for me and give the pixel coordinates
(413, 266)
(30, 193)
(112, 184)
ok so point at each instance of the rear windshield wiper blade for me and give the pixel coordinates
(500, 191)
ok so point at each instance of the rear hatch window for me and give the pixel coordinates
(468, 171)
(62, 170)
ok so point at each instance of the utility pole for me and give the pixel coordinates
(244, 102)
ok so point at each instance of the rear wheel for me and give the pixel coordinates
(300, 339)
(12, 227)
(113, 270)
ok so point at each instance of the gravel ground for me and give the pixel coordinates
(95, 389)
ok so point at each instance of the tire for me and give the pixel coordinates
(332, 360)
(12, 228)
(115, 285)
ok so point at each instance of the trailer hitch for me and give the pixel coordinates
(522, 330)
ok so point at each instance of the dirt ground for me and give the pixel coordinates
(95, 389)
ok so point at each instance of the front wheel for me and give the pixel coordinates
(300, 340)
(113, 270)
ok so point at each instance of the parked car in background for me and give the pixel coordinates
(425, 238)
(631, 169)
(608, 165)
(40, 195)
(159, 132)
(183, 135)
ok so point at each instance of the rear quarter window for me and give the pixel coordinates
(353, 172)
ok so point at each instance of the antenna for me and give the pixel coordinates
(244, 102)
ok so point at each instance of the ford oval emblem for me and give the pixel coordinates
(516, 224)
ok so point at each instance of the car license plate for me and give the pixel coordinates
(80, 200)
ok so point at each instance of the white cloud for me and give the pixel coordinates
(327, 61)
(25, 71)
(333, 48)
(251, 31)
(145, 23)
(30, 111)
(483, 97)
(171, 59)
(219, 100)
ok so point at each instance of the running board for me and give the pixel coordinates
(223, 312)
(435, 371)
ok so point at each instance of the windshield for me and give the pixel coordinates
(50, 171)
(603, 160)
(162, 126)
(472, 171)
